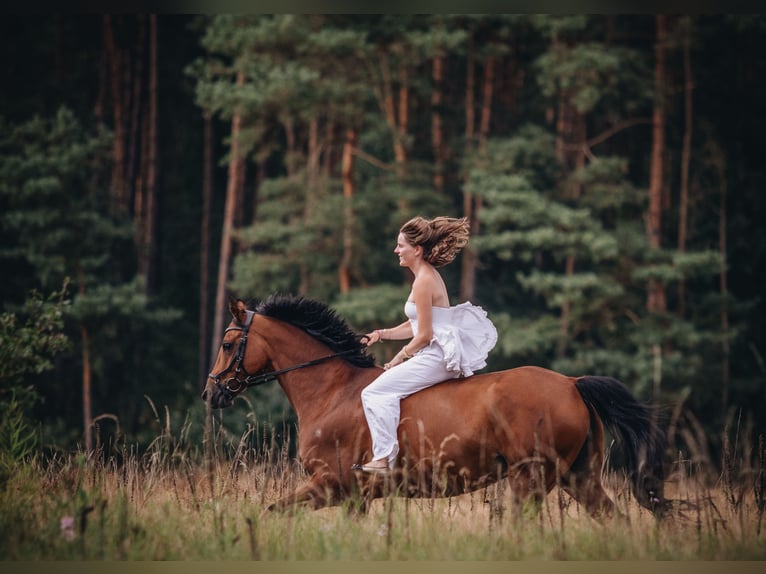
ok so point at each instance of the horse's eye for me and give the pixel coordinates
(227, 347)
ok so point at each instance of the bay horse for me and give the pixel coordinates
(529, 425)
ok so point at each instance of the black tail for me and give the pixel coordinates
(633, 423)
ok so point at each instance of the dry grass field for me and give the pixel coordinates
(173, 503)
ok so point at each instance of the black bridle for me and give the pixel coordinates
(241, 379)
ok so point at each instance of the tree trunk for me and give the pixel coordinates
(260, 177)
(561, 126)
(472, 205)
(289, 126)
(134, 134)
(582, 136)
(103, 88)
(656, 291)
(344, 270)
(139, 197)
(570, 131)
(404, 112)
(570, 127)
(566, 310)
(327, 160)
(724, 287)
(150, 220)
(118, 188)
(470, 88)
(392, 118)
(656, 302)
(466, 278)
(437, 136)
(204, 297)
(87, 377)
(486, 103)
(312, 164)
(235, 182)
(312, 182)
(87, 409)
(683, 208)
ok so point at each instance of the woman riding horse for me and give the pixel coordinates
(446, 342)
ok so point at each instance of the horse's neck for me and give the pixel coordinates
(316, 387)
(291, 346)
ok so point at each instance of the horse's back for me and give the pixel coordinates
(514, 410)
(527, 387)
(538, 400)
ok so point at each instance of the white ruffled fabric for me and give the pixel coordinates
(464, 332)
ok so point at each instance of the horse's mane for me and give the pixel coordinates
(321, 322)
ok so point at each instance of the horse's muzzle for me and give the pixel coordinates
(220, 398)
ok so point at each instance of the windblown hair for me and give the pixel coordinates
(442, 238)
(319, 321)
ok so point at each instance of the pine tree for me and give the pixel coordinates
(52, 175)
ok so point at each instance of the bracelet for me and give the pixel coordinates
(406, 354)
(380, 334)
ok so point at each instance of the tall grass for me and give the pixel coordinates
(178, 500)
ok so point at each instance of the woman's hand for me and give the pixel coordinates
(373, 337)
(398, 359)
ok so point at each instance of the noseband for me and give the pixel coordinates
(241, 379)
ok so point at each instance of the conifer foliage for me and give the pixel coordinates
(611, 167)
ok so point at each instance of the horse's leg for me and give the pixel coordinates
(317, 493)
(586, 488)
(325, 490)
(528, 488)
(582, 481)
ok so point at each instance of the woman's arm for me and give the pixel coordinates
(422, 297)
(401, 331)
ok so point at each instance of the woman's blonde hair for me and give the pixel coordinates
(442, 238)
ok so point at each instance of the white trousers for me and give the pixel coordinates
(381, 398)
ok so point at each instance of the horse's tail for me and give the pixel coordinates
(633, 423)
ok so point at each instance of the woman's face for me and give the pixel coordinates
(406, 252)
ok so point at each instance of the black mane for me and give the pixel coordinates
(319, 321)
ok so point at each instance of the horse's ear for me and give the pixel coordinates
(238, 309)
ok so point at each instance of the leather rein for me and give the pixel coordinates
(236, 383)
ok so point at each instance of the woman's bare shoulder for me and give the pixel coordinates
(430, 289)
(423, 290)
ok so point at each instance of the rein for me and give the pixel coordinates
(239, 384)
(253, 380)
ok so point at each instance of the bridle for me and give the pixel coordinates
(241, 379)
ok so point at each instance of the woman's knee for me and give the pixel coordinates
(377, 398)
(369, 394)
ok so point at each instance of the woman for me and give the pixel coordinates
(445, 342)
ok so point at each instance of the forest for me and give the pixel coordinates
(152, 165)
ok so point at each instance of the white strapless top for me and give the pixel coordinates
(464, 332)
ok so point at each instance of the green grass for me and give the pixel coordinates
(169, 504)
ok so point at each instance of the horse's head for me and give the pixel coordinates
(229, 377)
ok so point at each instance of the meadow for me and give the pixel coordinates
(178, 500)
